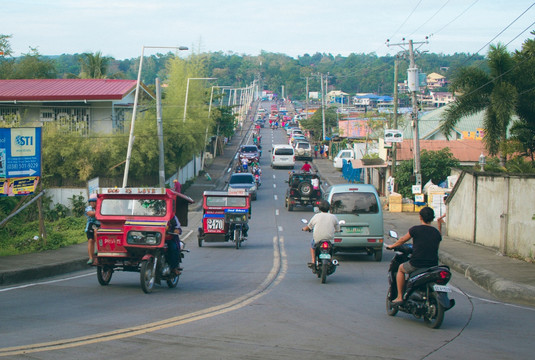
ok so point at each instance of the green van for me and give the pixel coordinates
(360, 207)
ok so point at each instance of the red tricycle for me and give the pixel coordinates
(133, 233)
(225, 216)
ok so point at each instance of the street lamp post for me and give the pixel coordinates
(134, 110)
(187, 90)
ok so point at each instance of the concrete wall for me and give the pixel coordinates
(494, 210)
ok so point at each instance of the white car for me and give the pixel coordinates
(282, 156)
(303, 150)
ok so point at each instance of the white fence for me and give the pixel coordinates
(494, 210)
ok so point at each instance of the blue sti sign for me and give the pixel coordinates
(20, 160)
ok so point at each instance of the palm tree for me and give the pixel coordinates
(94, 66)
(492, 92)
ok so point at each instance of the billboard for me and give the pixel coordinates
(20, 160)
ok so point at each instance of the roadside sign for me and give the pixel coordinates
(392, 136)
(20, 160)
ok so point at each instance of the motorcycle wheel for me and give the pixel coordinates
(390, 309)
(199, 241)
(147, 276)
(104, 274)
(324, 267)
(173, 282)
(237, 238)
(434, 314)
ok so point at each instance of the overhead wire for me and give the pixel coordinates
(432, 16)
(455, 18)
(408, 17)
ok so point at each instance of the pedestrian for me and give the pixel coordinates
(321, 150)
(316, 148)
(91, 228)
(177, 186)
(326, 151)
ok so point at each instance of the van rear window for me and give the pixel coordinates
(284, 151)
(354, 203)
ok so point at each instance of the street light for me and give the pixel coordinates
(187, 90)
(482, 161)
(134, 110)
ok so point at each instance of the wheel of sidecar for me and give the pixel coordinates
(434, 314)
(173, 282)
(305, 188)
(147, 276)
(237, 238)
(390, 309)
(104, 274)
(199, 241)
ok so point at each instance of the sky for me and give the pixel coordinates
(120, 28)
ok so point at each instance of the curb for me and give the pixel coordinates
(43, 271)
(504, 290)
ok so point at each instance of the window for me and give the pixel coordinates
(139, 207)
(354, 203)
(284, 151)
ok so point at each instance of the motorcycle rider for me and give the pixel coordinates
(425, 242)
(174, 245)
(323, 226)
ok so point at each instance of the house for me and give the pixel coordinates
(76, 105)
(441, 98)
(366, 102)
(337, 96)
(435, 80)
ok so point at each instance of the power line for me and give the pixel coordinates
(412, 12)
(432, 16)
(523, 31)
(458, 16)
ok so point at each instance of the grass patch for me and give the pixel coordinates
(18, 238)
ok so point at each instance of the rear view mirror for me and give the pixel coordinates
(304, 221)
(393, 234)
(342, 222)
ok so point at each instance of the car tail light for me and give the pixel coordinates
(443, 277)
(372, 240)
(337, 240)
(325, 245)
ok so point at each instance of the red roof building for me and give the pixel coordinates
(466, 151)
(78, 105)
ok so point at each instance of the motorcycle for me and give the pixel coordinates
(324, 264)
(426, 293)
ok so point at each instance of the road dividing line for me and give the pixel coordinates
(274, 186)
(277, 212)
(274, 277)
(280, 229)
(274, 176)
(275, 197)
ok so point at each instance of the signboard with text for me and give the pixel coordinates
(20, 160)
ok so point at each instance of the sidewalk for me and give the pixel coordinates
(506, 278)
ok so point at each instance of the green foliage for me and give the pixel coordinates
(315, 123)
(20, 239)
(435, 166)
(94, 66)
(78, 203)
(34, 66)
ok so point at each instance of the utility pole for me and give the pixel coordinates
(395, 124)
(161, 167)
(322, 107)
(306, 98)
(414, 87)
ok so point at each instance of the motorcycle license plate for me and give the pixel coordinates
(325, 256)
(441, 288)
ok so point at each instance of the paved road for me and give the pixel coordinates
(257, 302)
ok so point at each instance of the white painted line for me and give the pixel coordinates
(277, 212)
(275, 197)
(274, 186)
(280, 228)
(273, 176)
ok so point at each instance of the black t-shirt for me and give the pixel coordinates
(425, 242)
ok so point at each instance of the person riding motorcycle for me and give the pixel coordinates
(425, 242)
(323, 226)
(174, 245)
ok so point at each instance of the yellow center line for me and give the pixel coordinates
(274, 277)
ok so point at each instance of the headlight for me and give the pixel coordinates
(144, 238)
(253, 188)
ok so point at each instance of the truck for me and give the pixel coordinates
(356, 152)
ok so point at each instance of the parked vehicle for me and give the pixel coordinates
(294, 140)
(426, 293)
(360, 207)
(132, 235)
(225, 217)
(282, 155)
(301, 192)
(303, 150)
(345, 154)
(244, 181)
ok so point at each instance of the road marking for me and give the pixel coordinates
(280, 229)
(275, 197)
(274, 186)
(47, 282)
(277, 212)
(273, 176)
(277, 273)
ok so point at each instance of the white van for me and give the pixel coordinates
(282, 156)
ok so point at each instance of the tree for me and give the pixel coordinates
(492, 92)
(315, 123)
(94, 66)
(436, 166)
(33, 66)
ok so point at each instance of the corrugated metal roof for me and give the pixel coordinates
(462, 150)
(64, 89)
